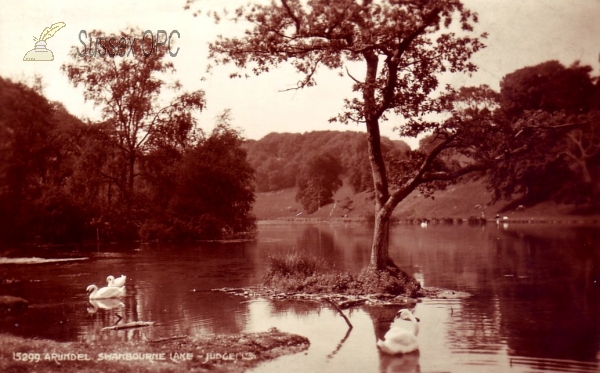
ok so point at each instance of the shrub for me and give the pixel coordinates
(297, 272)
(391, 281)
(293, 265)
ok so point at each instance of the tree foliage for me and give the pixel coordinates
(208, 194)
(556, 110)
(318, 180)
(128, 91)
(63, 180)
(279, 157)
(549, 87)
(34, 166)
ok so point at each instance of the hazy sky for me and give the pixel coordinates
(521, 33)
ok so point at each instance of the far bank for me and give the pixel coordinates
(459, 202)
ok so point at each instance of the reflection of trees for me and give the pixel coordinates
(474, 326)
(533, 285)
(171, 287)
(317, 240)
(549, 307)
(48, 321)
(343, 246)
(443, 256)
(298, 308)
(53, 306)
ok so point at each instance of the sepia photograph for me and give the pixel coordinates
(332, 186)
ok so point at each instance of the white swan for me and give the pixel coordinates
(105, 293)
(424, 224)
(116, 282)
(399, 340)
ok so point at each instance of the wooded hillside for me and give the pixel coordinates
(278, 157)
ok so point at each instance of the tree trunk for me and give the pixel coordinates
(587, 176)
(379, 248)
(381, 238)
(130, 179)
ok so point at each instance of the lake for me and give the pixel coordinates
(536, 303)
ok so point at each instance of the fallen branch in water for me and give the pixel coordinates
(135, 324)
(340, 311)
(346, 300)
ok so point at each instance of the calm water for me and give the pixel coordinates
(536, 306)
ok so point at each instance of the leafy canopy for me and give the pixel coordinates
(129, 88)
(406, 44)
(317, 181)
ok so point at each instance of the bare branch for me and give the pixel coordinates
(446, 176)
(306, 81)
(353, 78)
(337, 308)
(292, 15)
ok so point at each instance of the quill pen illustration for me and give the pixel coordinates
(40, 52)
(50, 31)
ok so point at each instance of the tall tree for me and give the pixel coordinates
(126, 82)
(25, 154)
(317, 181)
(563, 102)
(206, 191)
(37, 156)
(549, 87)
(402, 47)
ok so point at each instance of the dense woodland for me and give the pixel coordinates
(65, 180)
(279, 157)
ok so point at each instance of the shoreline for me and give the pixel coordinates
(434, 221)
(223, 353)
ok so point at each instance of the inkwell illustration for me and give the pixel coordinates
(40, 53)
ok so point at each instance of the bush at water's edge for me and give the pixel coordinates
(299, 272)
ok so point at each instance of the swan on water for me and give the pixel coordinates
(116, 282)
(105, 293)
(401, 338)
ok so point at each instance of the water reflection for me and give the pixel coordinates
(550, 300)
(104, 304)
(400, 363)
(382, 319)
(536, 305)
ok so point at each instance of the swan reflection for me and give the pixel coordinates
(400, 363)
(104, 304)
